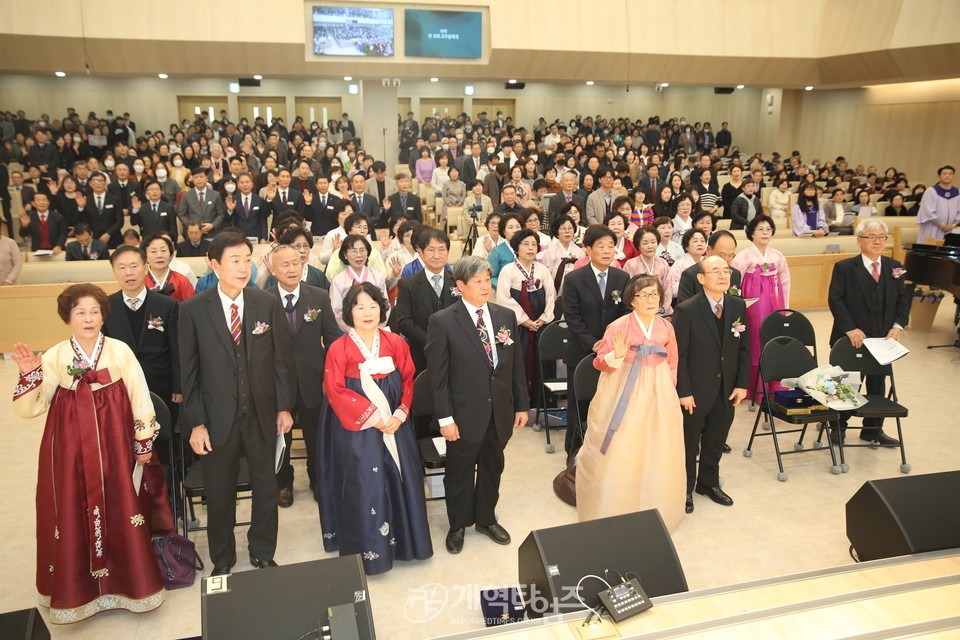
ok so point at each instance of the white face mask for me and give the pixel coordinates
(322, 145)
(446, 147)
(76, 138)
(230, 187)
(178, 162)
(535, 157)
(468, 151)
(109, 164)
(459, 136)
(138, 168)
(468, 128)
(161, 174)
(490, 151)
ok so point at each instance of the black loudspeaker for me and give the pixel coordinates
(284, 602)
(552, 561)
(25, 624)
(248, 82)
(723, 90)
(904, 515)
(516, 86)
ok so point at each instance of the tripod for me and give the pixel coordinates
(472, 236)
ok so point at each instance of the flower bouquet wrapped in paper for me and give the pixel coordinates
(830, 386)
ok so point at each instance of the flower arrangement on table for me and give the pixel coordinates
(929, 295)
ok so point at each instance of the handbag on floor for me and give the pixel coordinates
(178, 560)
(565, 484)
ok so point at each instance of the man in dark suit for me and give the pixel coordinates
(155, 215)
(147, 322)
(202, 204)
(591, 301)
(102, 211)
(402, 204)
(284, 196)
(86, 247)
(125, 188)
(46, 228)
(347, 125)
(471, 163)
(868, 299)
(43, 155)
(236, 398)
(479, 397)
(651, 183)
(248, 210)
(195, 245)
(722, 244)
(567, 193)
(712, 375)
(364, 203)
(316, 206)
(312, 328)
(421, 295)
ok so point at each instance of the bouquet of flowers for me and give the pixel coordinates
(830, 386)
(921, 294)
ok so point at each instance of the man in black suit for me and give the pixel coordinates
(712, 375)
(470, 163)
(147, 322)
(312, 328)
(248, 210)
(195, 245)
(651, 182)
(364, 203)
(722, 244)
(316, 206)
(43, 155)
(236, 398)
(868, 299)
(479, 397)
(282, 197)
(102, 211)
(86, 246)
(402, 204)
(125, 188)
(591, 301)
(346, 124)
(202, 204)
(567, 193)
(424, 293)
(46, 228)
(155, 215)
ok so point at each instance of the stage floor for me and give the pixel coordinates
(775, 528)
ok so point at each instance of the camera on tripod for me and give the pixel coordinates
(474, 210)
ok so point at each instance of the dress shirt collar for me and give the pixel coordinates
(488, 321)
(226, 301)
(867, 262)
(284, 293)
(140, 298)
(597, 272)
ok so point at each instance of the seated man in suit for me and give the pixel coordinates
(567, 193)
(591, 301)
(312, 328)
(147, 322)
(421, 295)
(402, 203)
(195, 245)
(86, 247)
(155, 215)
(202, 204)
(479, 398)
(46, 228)
(722, 244)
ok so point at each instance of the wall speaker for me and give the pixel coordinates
(25, 624)
(723, 90)
(248, 82)
(516, 86)
(904, 515)
(552, 561)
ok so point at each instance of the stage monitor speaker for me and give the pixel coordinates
(248, 82)
(284, 602)
(904, 515)
(515, 86)
(25, 624)
(723, 90)
(552, 561)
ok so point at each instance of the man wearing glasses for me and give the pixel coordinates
(712, 374)
(868, 299)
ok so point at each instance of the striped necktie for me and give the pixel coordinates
(235, 323)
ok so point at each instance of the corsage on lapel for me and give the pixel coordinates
(311, 315)
(260, 328)
(734, 291)
(615, 296)
(737, 328)
(155, 323)
(898, 272)
(455, 292)
(503, 337)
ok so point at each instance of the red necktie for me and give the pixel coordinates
(235, 323)
(718, 311)
(876, 271)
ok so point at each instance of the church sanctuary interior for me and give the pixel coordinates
(813, 548)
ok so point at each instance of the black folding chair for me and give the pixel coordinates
(193, 489)
(847, 357)
(165, 435)
(785, 357)
(784, 322)
(585, 378)
(551, 342)
(421, 412)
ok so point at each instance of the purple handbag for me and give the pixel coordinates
(178, 560)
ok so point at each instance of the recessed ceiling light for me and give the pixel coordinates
(808, 88)
(589, 83)
(60, 74)
(512, 81)
(664, 84)
(258, 77)
(739, 86)
(434, 79)
(348, 78)
(162, 76)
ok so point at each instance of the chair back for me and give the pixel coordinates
(163, 418)
(553, 341)
(785, 357)
(421, 409)
(849, 358)
(585, 378)
(787, 322)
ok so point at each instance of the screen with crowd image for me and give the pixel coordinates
(352, 31)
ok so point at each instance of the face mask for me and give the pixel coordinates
(535, 156)
(178, 162)
(230, 187)
(468, 152)
(109, 164)
(459, 136)
(76, 138)
(161, 174)
(243, 123)
(548, 152)
(468, 128)
(446, 147)
(490, 151)
(321, 145)
(42, 123)
(138, 168)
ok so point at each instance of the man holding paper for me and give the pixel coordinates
(868, 299)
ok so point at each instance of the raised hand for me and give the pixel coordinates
(271, 192)
(619, 344)
(26, 359)
(135, 203)
(307, 197)
(231, 204)
(53, 187)
(81, 200)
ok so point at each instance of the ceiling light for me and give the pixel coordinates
(739, 86)
(162, 76)
(589, 83)
(348, 78)
(512, 81)
(60, 74)
(664, 84)
(809, 87)
(258, 77)
(468, 89)
(434, 79)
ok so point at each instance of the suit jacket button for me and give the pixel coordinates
(488, 400)
(718, 375)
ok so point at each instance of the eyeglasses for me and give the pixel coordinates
(643, 297)
(874, 238)
(302, 246)
(716, 272)
(357, 251)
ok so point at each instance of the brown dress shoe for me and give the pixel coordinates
(285, 497)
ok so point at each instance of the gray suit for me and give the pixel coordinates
(211, 211)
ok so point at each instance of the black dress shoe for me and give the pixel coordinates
(880, 438)
(716, 494)
(262, 564)
(495, 532)
(455, 540)
(689, 505)
(726, 448)
(223, 570)
(285, 497)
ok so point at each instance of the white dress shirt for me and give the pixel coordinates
(140, 298)
(226, 301)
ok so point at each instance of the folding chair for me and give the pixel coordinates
(421, 413)
(551, 343)
(585, 378)
(847, 357)
(166, 435)
(784, 322)
(191, 483)
(785, 357)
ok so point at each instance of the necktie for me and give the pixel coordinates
(569, 197)
(360, 202)
(283, 198)
(43, 219)
(100, 204)
(154, 207)
(484, 337)
(86, 252)
(323, 202)
(246, 204)
(718, 310)
(133, 303)
(876, 271)
(607, 199)
(235, 323)
(602, 281)
(437, 281)
(403, 201)
(203, 197)
(291, 314)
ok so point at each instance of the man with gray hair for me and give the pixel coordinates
(479, 397)
(869, 299)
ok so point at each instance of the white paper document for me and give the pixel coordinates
(885, 351)
(281, 447)
(441, 444)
